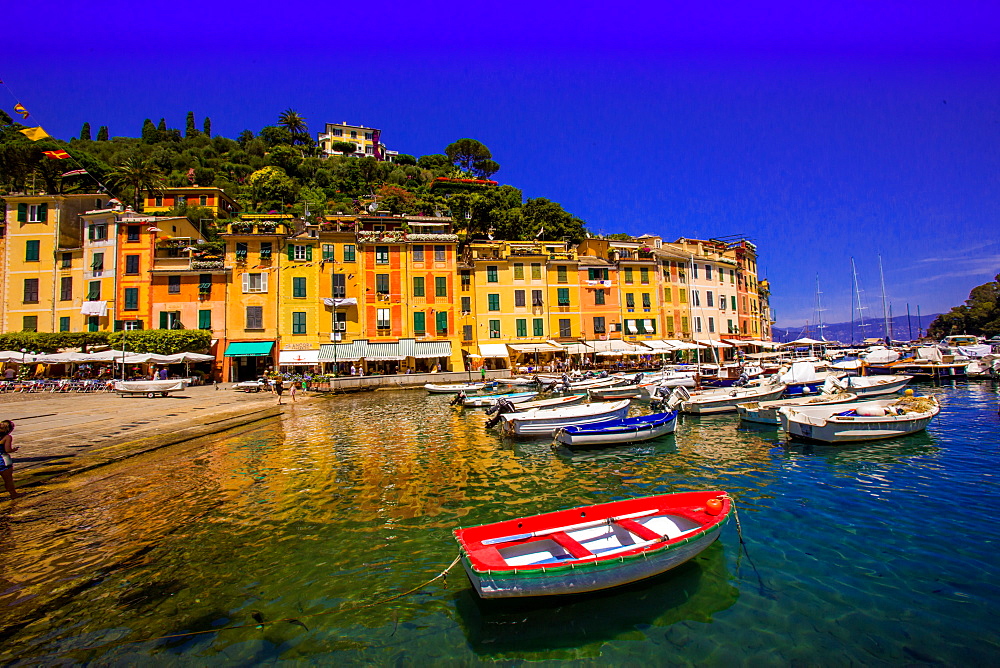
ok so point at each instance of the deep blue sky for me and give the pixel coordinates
(820, 133)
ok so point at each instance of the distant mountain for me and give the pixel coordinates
(901, 330)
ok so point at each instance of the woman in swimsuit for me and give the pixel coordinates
(6, 463)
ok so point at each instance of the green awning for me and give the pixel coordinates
(249, 349)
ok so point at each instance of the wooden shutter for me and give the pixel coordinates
(291, 251)
(442, 322)
(43, 213)
(309, 252)
(22, 212)
(246, 282)
(164, 323)
(263, 282)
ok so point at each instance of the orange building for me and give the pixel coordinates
(166, 199)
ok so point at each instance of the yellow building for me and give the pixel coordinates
(366, 141)
(43, 265)
(167, 199)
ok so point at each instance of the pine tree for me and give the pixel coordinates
(149, 132)
(85, 132)
(190, 130)
(207, 127)
(102, 133)
(162, 127)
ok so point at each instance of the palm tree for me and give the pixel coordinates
(291, 119)
(135, 174)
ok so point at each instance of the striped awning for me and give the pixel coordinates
(391, 351)
(539, 347)
(431, 349)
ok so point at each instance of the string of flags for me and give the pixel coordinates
(19, 108)
(56, 155)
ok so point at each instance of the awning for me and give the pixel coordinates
(249, 349)
(612, 345)
(338, 302)
(738, 343)
(578, 348)
(298, 357)
(713, 344)
(658, 346)
(540, 347)
(764, 344)
(340, 352)
(384, 352)
(683, 345)
(494, 350)
(431, 349)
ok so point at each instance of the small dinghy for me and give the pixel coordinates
(545, 422)
(487, 400)
(591, 548)
(722, 401)
(552, 402)
(454, 388)
(766, 412)
(874, 386)
(617, 432)
(862, 421)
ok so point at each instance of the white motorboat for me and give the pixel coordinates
(873, 386)
(766, 412)
(617, 432)
(553, 402)
(724, 401)
(860, 421)
(545, 422)
(453, 388)
(487, 400)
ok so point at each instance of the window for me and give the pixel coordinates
(710, 298)
(730, 328)
(682, 295)
(368, 136)
(298, 287)
(493, 301)
(696, 297)
(466, 304)
(519, 300)
(354, 134)
(157, 200)
(337, 132)
(298, 322)
(255, 317)
(29, 323)
(339, 286)
(645, 301)
(300, 253)
(536, 271)
(180, 200)
(203, 200)
(537, 327)
(97, 263)
(439, 254)
(440, 286)
(561, 274)
(708, 272)
(599, 297)
(170, 320)
(349, 253)
(31, 250)
(418, 286)
(442, 323)
(597, 274)
(466, 280)
(697, 324)
(64, 324)
(711, 324)
(684, 324)
(522, 326)
(536, 297)
(131, 299)
(491, 274)
(518, 271)
(599, 327)
(644, 275)
(564, 327)
(173, 284)
(241, 251)
(339, 323)
(131, 232)
(382, 284)
(31, 291)
(418, 253)
(94, 291)
(205, 319)
(733, 301)
(382, 318)
(666, 295)
(466, 332)
(629, 300)
(329, 252)
(32, 213)
(66, 288)
(254, 282)
(563, 297)
(722, 302)
(494, 329)
(67, 261)
(628, 275)
(131, 264)
(419, 322)
(694, 271)
(97, 232)
(381, 255)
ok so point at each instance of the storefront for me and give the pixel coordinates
(403, 356)
(249, 359)
(300, 362)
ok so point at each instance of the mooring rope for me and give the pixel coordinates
(743, 544)
(257, 624)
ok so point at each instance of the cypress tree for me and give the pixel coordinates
(190, 130)
(207, 127)
(162, 127)
(85, 132)
(149, 132)
(102, 133)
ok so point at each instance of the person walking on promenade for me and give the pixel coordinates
(6, 463)
(291, 393)
(279, 388)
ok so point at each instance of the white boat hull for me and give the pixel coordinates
(727, 402)
(766, 412)
(547, 422)
(597, 440)
(453, 389)
(825, 426)
(486, 401)
(874, 386)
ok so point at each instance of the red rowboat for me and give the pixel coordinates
(593, 547)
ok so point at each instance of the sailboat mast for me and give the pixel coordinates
(885, 312)
(857, 292)
(819, 310)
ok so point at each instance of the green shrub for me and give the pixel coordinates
(162, 341)
(50, 342)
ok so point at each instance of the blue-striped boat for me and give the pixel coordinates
(616, 432)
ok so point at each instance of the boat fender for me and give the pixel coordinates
(870, 411)
(713, 506)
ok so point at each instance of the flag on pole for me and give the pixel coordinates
(19, 108)
(75, 172)
(56, 155)
(34, 134)
(153, 228)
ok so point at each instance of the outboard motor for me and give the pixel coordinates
(459, 398)
(658, 401)
(742, 380)
(637, 380)
(503, 406)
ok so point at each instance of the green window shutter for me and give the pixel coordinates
(205, 319)
(43, 213)
(22, 212)
(164, 320)
(522, 327)
(309, 252)
(418, 286)
(64, 324)
(440, 286)
(442, 322)
(291, 252)
(298, 286)
(537, 326)
(563, 296)
(419, 322)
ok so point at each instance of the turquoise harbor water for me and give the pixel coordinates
(879, 554)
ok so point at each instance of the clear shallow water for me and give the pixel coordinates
(879, 554)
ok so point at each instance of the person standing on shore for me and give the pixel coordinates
(6, 463)
(279, 388)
